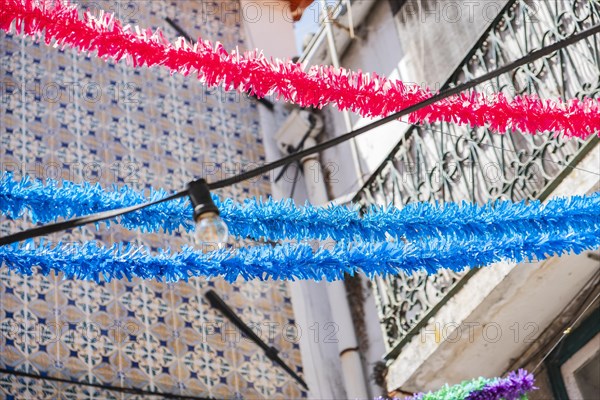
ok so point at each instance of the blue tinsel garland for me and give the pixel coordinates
(277, 220)
(90, 261)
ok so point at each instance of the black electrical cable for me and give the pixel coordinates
(103, 387)
(440, 96)
(52, 228)
(80, 221)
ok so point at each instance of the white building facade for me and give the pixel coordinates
(356, 338)
(416, 333)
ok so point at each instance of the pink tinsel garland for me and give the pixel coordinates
(367, 95)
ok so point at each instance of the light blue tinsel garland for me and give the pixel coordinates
(90, 261)
(277, 220)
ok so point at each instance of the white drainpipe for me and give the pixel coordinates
(333, 52)
(352, 370)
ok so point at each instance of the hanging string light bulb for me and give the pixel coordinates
(210, 228)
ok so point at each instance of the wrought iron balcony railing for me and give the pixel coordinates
(444, 162)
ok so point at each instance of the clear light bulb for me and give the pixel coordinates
(211, 231)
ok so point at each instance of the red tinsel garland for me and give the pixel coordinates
(366, 94)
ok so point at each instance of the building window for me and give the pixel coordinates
(574, 367)
(582, 371)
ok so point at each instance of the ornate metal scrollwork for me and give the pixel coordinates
(444, 162)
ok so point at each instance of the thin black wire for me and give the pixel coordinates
(56, 227)
(540, 351)
(103, 387)
(565, 332)
(562, 164)
(294, 183)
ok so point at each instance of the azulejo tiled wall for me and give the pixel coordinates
(71, 116)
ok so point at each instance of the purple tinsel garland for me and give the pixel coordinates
(513, 387)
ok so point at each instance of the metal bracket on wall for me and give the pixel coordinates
(187, 37)
(271, 352)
